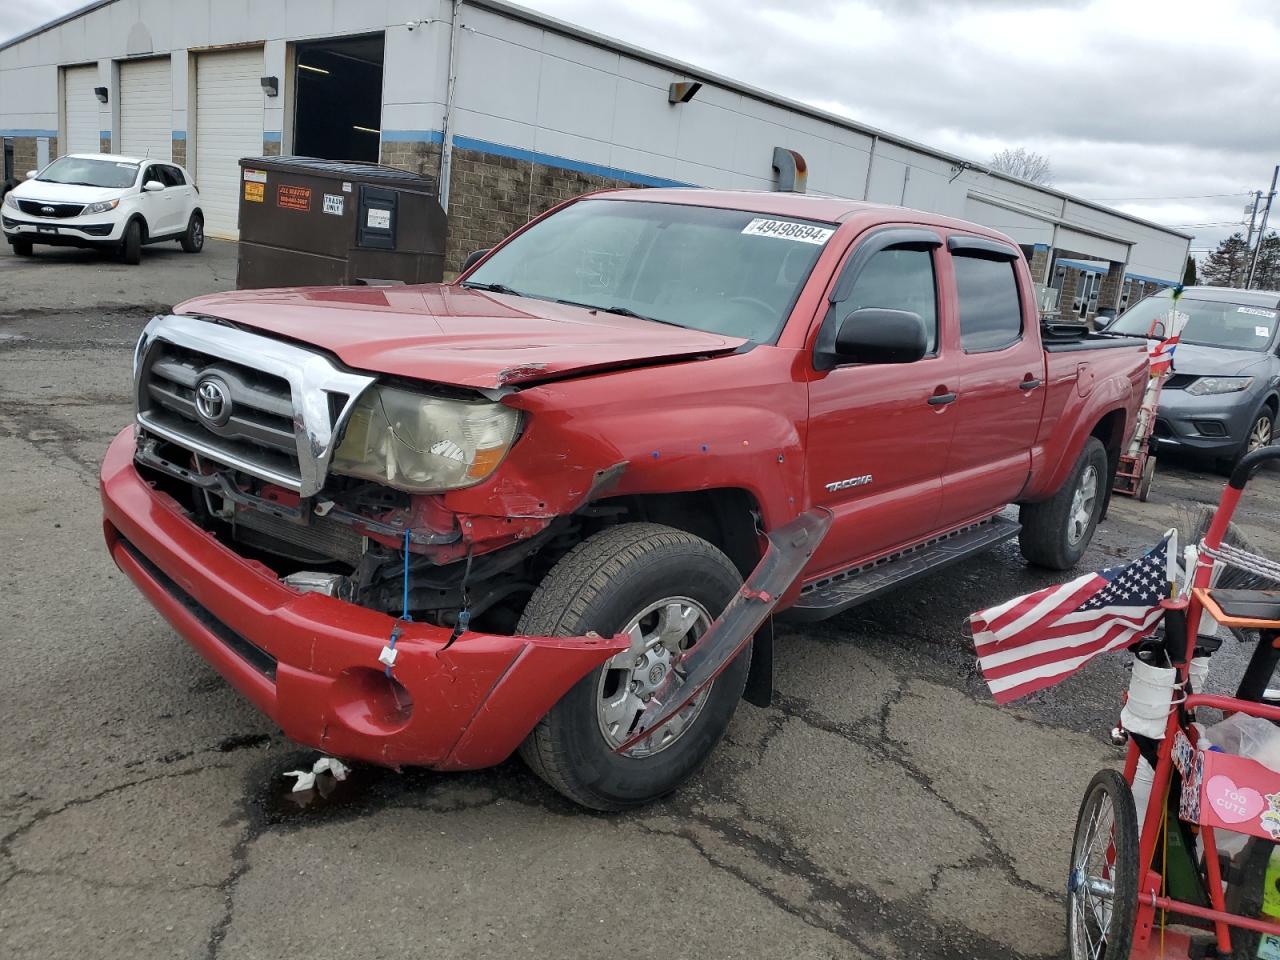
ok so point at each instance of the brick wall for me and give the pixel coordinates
(24, 156)
(1039, 265)
(1109, 294)
(416, 156)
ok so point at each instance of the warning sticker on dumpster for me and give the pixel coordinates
(292, 197)
(788, 230)
(254, 192)
(255, 176)
(379, 219)
(333, 203)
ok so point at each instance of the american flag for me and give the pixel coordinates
(1161, 356)
(1033, 642)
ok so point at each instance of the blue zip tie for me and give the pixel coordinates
(404, 614)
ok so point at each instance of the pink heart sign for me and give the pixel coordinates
(1230, 803)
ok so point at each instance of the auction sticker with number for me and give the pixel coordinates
(788, 230)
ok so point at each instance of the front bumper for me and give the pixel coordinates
(1213, 425)
(74, 232)
(310, 662)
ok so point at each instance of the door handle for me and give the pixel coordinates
(1029, 384)
(941, 399)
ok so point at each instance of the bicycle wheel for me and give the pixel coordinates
(1102, 891)
(1247, 893)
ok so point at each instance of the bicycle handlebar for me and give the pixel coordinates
(1249, 465)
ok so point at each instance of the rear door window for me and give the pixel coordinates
(172, 176)
(989, 306)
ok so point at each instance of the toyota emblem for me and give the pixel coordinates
(213, 401)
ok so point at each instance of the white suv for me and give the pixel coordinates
(105, 201)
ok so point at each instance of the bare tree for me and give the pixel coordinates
(1024, 164)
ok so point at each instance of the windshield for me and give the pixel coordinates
(83, 172)
(722, 271)
(1234, 326)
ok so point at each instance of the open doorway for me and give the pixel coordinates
(338, 98)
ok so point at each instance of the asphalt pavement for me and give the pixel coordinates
(883, 807)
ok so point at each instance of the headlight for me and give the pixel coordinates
(1210, 385)
(424, 444)
(10, 200)
(102, 207)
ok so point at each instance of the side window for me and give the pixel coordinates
(899, 279)
(172, 177)
(990, 311)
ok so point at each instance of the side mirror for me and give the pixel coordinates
(877, 335)
(31, 174)
(153, 186)
(474, 258)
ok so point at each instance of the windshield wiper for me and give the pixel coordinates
(617, 311)
(495, 288)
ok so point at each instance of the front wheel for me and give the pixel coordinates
(1262, 433)
(1102, 888)
(131, 244)
(662, 588)
(1056, 533)
(21, 248)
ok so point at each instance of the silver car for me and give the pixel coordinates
(1222, 398)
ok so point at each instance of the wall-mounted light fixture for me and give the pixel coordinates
(683, 92)
(100, 93)
(271, 86)
(793, 172)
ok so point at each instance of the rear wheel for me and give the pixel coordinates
(1056, 533)
(662, 588)
(193, 240)
(1102, 888)
(22, 248)
(131, 244)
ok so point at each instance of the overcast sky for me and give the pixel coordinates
(1167, 109)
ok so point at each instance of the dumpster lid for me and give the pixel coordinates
(344, 170)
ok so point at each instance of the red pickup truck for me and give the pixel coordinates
(433, 525)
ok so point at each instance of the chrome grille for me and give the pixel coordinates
(280, 406)
(40, 208)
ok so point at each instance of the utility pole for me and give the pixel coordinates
(1253, 222)
(1262, 230)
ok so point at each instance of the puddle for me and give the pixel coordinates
(366, 790)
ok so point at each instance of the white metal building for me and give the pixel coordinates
(511, 110)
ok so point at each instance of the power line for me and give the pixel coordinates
(1202, 196)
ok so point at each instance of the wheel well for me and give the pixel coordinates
(1273, 402)
(1110, 431)
(141, 221)
(725, 517)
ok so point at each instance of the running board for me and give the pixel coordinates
(835, 594)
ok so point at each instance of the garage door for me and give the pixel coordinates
(228, 127)
(80, 110)
(146, 109)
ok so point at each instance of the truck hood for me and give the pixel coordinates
(455, 335)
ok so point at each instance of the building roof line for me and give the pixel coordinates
(534, 18)
(34, 31)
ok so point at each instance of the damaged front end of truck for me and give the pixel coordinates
(343, 548)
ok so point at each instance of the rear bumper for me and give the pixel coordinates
(310, 662)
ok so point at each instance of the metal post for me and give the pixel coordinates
(1262, 230)
(446, 144)
(1253, 222)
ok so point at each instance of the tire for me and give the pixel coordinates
(1056, 533)
(1245, 894)
(193, 239)
(1262, 432)
(22, 248)
(604, 584)
(131, 244)
(1113, 931)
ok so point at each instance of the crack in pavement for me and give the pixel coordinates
(880, 745)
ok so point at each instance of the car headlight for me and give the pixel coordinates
(102, 207)
(1206, 386)
(424, 444)
(10, 200)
